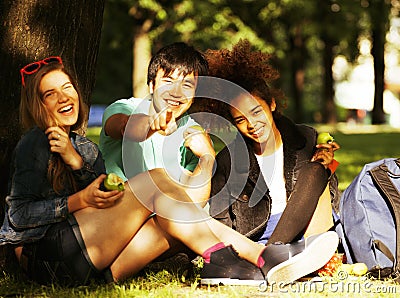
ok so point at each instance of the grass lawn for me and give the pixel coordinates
(359, 145)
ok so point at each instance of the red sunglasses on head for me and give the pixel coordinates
(35, 66)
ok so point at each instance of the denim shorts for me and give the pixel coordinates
(61, 257)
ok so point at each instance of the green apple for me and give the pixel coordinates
(359, 269)
(198, 127)
(324, 138)
(114, 182)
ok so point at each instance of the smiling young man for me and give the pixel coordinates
(155, 132)
(142, 134)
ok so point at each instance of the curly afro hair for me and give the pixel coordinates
(250, 70)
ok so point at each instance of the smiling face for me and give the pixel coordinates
(60, 98)
(253, 118)
(174, 91)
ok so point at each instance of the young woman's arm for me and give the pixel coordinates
(198, 182)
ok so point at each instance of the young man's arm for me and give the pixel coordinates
(139, 127)
(115, 126)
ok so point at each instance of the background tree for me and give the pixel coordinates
(143, 27)
(338, 29)
(115, 64)
(129, 39)
(32, 30)
(378, 11)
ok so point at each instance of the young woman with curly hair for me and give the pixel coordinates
(269, 180)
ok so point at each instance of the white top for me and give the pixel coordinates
(272, 169)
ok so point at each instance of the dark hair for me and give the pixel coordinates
(250, 70)
(180, 56)
(33, 112)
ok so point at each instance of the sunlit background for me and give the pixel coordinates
(354, 87)
(295, 32)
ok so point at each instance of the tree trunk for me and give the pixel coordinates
(31, 30)
(378, 115)
(379, 12)
(328, 108)
(297, 75)
(141, 59)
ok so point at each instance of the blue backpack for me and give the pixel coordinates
(369, 213)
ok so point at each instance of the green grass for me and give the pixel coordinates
(93, 133)
(359, 145)
(165, 285)
(358, 149)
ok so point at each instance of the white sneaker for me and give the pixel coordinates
(317, 252)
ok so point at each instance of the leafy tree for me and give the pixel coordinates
(32, 30)
(143, 27)
(207, 25)
(304, 36)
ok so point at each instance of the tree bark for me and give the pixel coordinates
(31, 30)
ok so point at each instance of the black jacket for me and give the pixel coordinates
(239, 195)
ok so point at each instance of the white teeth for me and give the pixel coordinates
(258, 132)
(173, 103)
(66, 109)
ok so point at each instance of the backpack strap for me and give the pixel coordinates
(384, 249)
(380, 176)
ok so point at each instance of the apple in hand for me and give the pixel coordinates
(114, 182)
(324, 138)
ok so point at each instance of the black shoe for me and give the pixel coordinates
(179, 264)
(227, 268)
(285, 263)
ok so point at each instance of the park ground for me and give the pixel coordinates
(360, 144)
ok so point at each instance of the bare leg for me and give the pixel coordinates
(107, 232)
(190, 223)
(149, 243)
